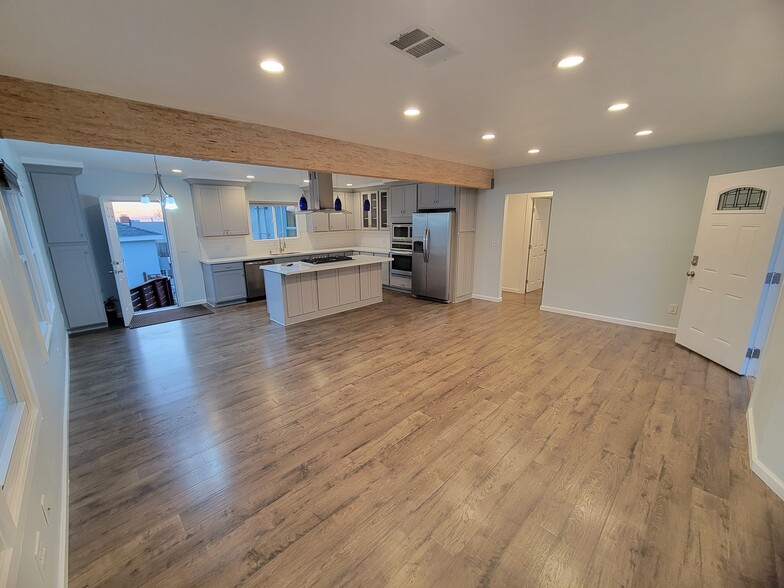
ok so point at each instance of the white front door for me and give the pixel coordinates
(731, 259)
(537, 248)
(118, 263)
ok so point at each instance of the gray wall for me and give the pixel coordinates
(181, 224)
(623, 226)
(48, 471)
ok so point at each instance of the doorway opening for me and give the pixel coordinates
(140, 250)
(526, 231)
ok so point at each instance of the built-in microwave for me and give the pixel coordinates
(402, 232)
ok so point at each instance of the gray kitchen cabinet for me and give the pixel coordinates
(348, 285)
(402, 203)
(385, 269)
(301, 294)
(224, 283)
(59, 208)
(77, 283)
(328, 288)
(221, 208)
(317, 222)
(436, 196)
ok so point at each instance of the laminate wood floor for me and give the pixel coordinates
(411, 443)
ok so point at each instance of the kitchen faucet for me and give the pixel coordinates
(281, 245)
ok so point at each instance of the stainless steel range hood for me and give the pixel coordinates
(321, 197)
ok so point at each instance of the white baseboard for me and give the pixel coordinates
(194, 302)
(609, 319)
(487, 298)
(766, 475)
(62, 572)
(515, 290)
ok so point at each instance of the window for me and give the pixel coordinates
(270, 220)
(742, 198)
(31, 259)
(11, 411)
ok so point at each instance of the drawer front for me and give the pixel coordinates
(227, 267)
(400, 282)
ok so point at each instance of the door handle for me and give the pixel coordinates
(691, 274)
(426, 245)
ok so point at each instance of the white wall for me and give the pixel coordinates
(766, 410)
(623, 226)
(48, 468)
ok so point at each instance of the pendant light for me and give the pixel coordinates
(166, 199)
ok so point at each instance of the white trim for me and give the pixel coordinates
(609, 319)
(62, 571)
(515, 290)
(194, 302)
(487, 298)
(765, 474)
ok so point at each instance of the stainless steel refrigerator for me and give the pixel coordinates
(432, 255)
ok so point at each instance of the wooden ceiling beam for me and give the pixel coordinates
(34, 111)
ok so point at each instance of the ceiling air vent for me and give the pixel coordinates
(421, 44)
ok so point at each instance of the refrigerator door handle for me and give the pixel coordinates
(427, 244)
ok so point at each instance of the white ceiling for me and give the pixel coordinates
(124, 161)
(692, 70)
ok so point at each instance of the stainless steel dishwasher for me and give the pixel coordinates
(254, 278)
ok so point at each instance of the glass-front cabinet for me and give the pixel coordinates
(377, 215)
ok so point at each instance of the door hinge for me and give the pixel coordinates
(773, 278)
(753, 353)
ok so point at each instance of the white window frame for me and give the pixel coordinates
(31, 259)
(274, 219)
(21, 432)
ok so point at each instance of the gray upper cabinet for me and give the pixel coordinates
(436, 196)
(402, 203)
(59, 207)
(221, 208)
(61, 211)
(446, 196)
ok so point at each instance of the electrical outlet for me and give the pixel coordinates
(495, 243)
(673, 309)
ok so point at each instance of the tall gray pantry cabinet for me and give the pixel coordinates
(68, 245)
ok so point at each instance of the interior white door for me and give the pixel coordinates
(537, 248)
(731, 259)
(118, 263)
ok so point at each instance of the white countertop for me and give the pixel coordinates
(303, 267)
(293, 254)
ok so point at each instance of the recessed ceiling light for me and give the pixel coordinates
(251, 177)
(644, 132)
(533, 151)
(619, 106)
(272, 66)
(349, 185)
(176, 171)
(412, 111)
(488, 136)
(570, 61)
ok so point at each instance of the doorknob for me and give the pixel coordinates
(691, 274)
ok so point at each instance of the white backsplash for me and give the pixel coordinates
(220, 247)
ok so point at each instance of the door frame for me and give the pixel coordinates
(529, 196)
(531, 201)
(175, 262)
(766, 306)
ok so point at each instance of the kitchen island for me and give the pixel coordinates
(303, 291)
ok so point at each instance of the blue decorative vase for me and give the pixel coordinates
(366, 205)
(303, 203)
(338, 204)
